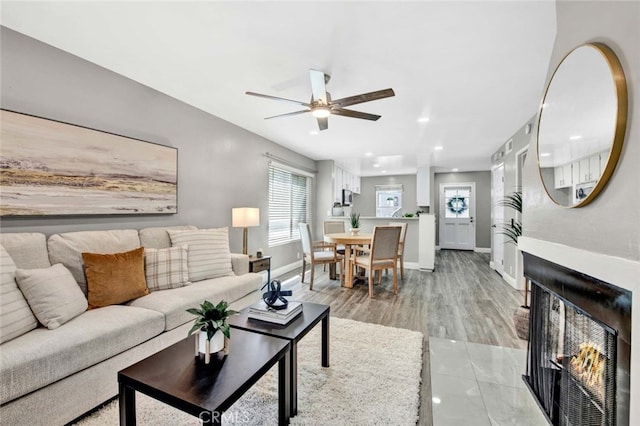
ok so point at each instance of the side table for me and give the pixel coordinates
(258, 264)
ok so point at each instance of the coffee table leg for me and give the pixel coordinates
(325, 341)
(127, 401)
(294, 377)
(284, 391)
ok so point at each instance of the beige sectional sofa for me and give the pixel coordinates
(52, 376)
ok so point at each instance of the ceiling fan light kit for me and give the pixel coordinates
(322, 106)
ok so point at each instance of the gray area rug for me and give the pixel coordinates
(374, 379)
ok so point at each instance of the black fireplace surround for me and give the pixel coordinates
(602, 303)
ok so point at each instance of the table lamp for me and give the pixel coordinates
(244, 217)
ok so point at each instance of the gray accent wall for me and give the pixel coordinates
(611, 223)
(482, 180)
(220, 165)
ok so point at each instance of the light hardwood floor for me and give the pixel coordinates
(463, 299)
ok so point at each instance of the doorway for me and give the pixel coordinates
(457, 212)
(497, 186)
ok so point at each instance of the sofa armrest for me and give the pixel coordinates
(240, 263)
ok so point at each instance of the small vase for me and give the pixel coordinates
(354, 231)
(208, 347)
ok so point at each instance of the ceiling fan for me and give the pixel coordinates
(321, 104)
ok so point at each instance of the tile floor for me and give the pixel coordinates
(475, 384)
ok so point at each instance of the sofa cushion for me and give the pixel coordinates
(44, 356)
(166, 268)
(27, 249)
(16, 318)
(115, 277)
(174, 303)
(209, 254)
(67, 248)
(52, 294)
(158, 237)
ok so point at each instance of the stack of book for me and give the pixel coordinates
(262, 312)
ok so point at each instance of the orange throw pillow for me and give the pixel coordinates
(114, 278)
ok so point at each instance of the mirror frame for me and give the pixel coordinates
(620, 83)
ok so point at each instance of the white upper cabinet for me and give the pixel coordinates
(562, 176)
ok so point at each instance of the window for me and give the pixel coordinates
(388, 200)
(289, 203)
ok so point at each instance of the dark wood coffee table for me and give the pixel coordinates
(312, 313)
(174, 376)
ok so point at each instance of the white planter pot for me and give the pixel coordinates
(216, 344)
(354, 231)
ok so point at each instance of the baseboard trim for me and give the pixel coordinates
(482, 249)
(491, 265)
(286, 268)
(510, 280)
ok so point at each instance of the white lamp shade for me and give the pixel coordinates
(244, 217)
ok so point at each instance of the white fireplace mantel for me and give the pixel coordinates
(621, 272)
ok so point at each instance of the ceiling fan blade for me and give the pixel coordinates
(288, 114)
(365, 97)
(323, 123)
(354, 114)
(260, 95)
(318, 87)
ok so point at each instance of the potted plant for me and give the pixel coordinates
(513, 230)
(355, 223)
(212, 327)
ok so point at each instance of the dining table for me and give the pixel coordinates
(348, 240)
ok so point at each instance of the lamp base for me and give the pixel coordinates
(245, 240)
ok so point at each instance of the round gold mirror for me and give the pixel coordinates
(582, 124)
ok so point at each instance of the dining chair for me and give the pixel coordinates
(383, 254)
(317, 253)
(335, 227)
(401, 244)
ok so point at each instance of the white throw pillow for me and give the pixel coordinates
(209, 254)
(15, 316)
(52, 293)
(166, 268)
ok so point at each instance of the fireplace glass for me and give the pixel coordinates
(572, 363)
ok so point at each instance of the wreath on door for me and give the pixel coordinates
(457, 204)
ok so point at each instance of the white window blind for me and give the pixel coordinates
(289, 203)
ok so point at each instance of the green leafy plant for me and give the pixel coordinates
(513, 229)
(408, 215)
(355, 220)
(211, 318)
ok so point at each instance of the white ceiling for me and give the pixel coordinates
(475, 69)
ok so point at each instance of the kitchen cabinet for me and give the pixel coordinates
(594, 167)
(422, 187)
(562, 176)
(344, 180)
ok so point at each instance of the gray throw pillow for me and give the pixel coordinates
(52, 293)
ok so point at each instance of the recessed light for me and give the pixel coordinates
(545, 154)
(575, 137)
(384, 171)
(438, 148)
(376, 165)
(368, 154)
(423, 120)
(313, 132)
(454, 170)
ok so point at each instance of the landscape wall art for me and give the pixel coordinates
(53, 168)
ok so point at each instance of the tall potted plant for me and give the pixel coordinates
(512, 230)
(212, 328)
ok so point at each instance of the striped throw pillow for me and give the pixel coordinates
(16, 317)
(166, 268)
(209, 254)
